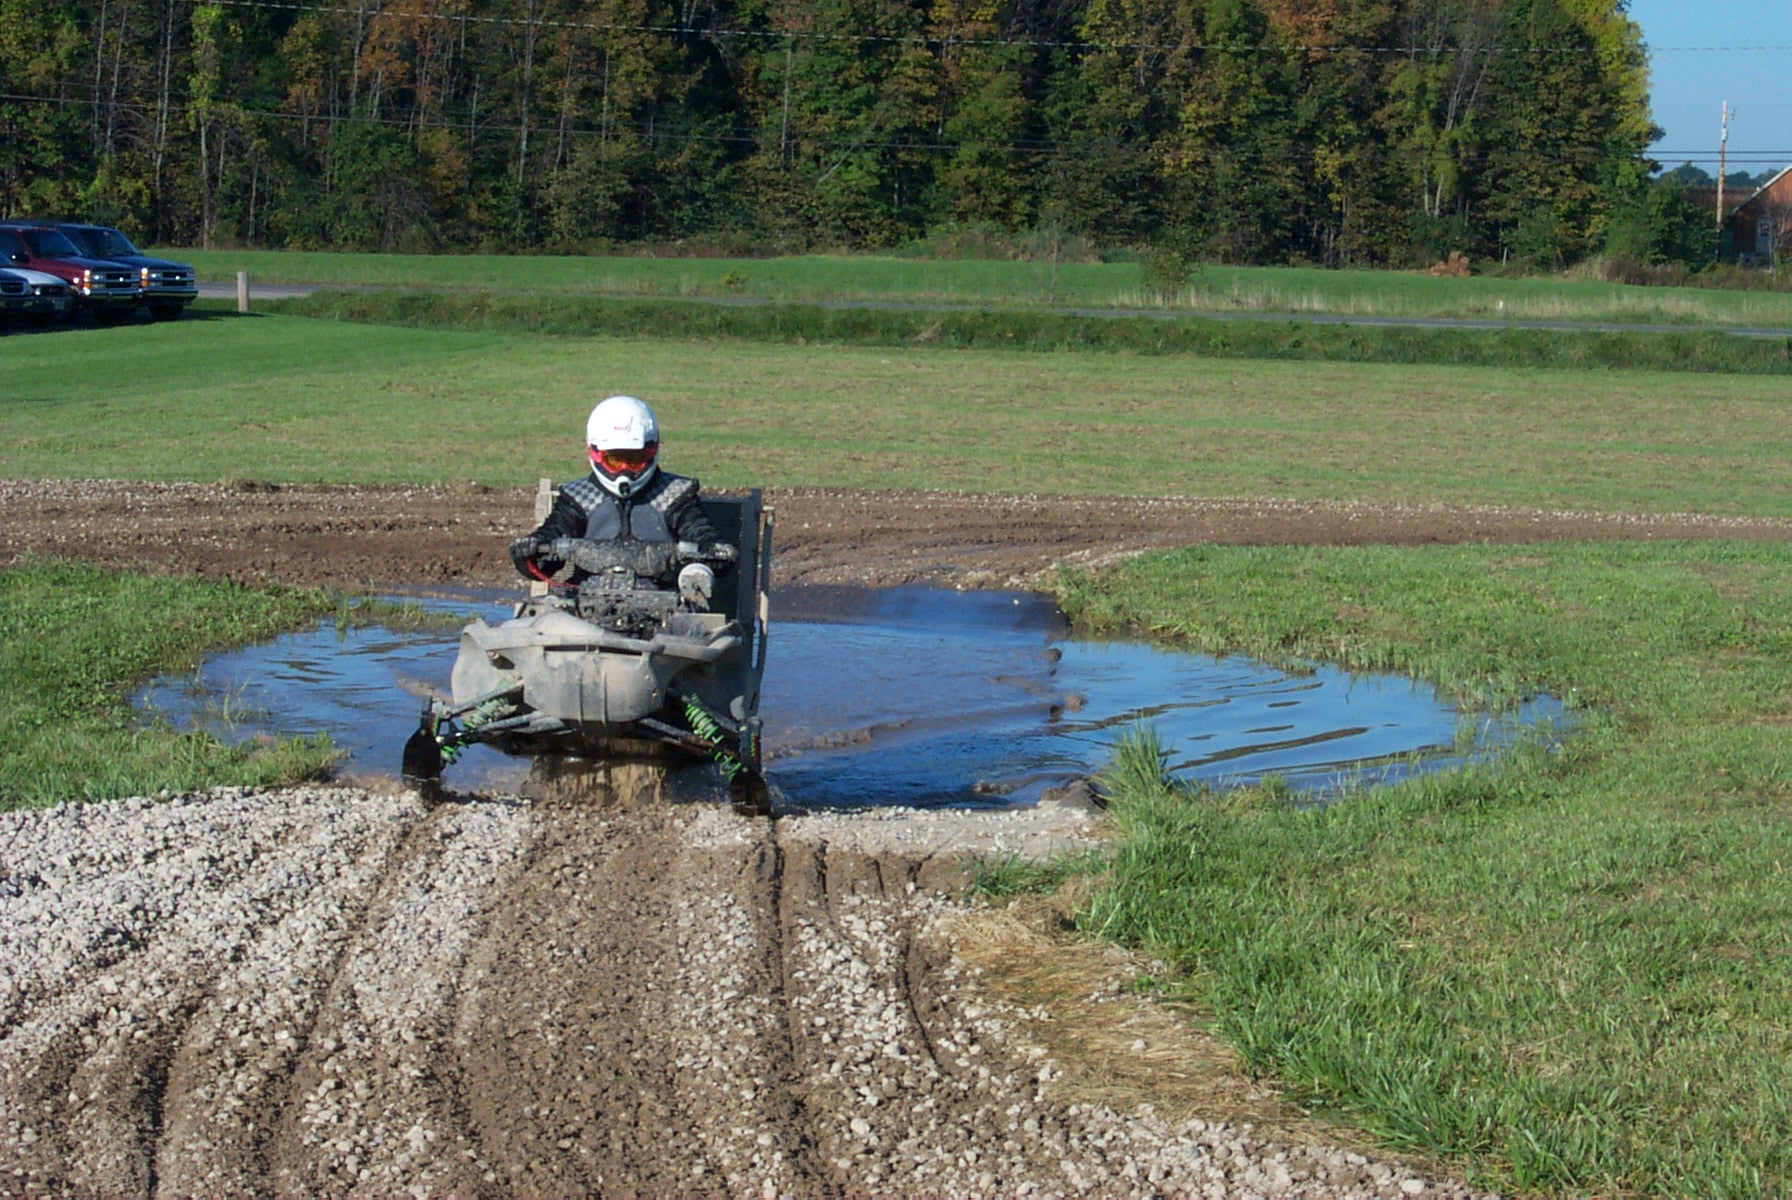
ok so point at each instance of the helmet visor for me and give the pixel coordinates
(615, 463)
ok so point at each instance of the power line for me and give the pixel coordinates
(1717, 49)
(661, 132)
(773, 35)
(1735, 155)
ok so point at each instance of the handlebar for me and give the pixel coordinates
(648, 559)
(719, 554)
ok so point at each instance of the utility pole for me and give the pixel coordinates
(1723, 148)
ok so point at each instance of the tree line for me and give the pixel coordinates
(1328, 131)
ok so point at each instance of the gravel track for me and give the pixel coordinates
(329, 991)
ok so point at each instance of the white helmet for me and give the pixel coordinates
(623, 440)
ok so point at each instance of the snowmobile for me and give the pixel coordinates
(618, 665)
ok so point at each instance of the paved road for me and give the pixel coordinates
(283, 291)
(257, 291)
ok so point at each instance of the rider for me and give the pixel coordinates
(626, 495)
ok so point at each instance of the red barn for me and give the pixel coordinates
(1762, 224)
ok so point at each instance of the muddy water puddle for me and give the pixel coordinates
(910, 696)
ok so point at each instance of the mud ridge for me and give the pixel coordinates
(373, 1102)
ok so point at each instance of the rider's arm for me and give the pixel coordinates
(566, 520)
(688, 523)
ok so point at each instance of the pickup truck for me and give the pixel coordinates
(33, 294)
(99, 286)
(168, 287)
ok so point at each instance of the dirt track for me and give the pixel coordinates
(457, 534)
(324, 991)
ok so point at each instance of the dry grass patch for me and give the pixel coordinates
(1117, 1047)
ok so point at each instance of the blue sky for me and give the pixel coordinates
(1690, 85)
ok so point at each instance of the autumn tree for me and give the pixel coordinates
(1331, 131)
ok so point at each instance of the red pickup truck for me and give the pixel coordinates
(168, 287)
(100, 285)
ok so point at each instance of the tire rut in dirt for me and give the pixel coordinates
(622, 1027)
(156, 969)
(914, 1084)
(373, 1102)
(903, 1092)
(407, 536)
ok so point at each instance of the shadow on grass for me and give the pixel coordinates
(89, 323)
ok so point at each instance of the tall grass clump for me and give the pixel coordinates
(1570, 970)
(76, 640)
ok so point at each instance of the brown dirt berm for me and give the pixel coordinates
(456, 534)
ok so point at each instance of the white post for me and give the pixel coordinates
(242, 291)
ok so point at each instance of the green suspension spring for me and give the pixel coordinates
(457, 740)
(705, 727)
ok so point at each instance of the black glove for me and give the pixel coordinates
(522, 551)
(715, 553)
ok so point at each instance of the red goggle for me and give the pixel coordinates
(624, 462)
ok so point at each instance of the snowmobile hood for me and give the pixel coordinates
(562, 630)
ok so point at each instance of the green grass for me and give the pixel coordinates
(1011, 284)
(1571, 970)
(1004, 876)
(279, 398)
(75, 641)
(1703, 351)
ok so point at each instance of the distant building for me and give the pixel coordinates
(1761, 227)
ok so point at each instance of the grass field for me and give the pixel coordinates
(74, 642)
(1014, 284)
(1569, 972)
(277, 397)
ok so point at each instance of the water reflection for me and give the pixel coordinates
(962, 697)
(909, 696)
